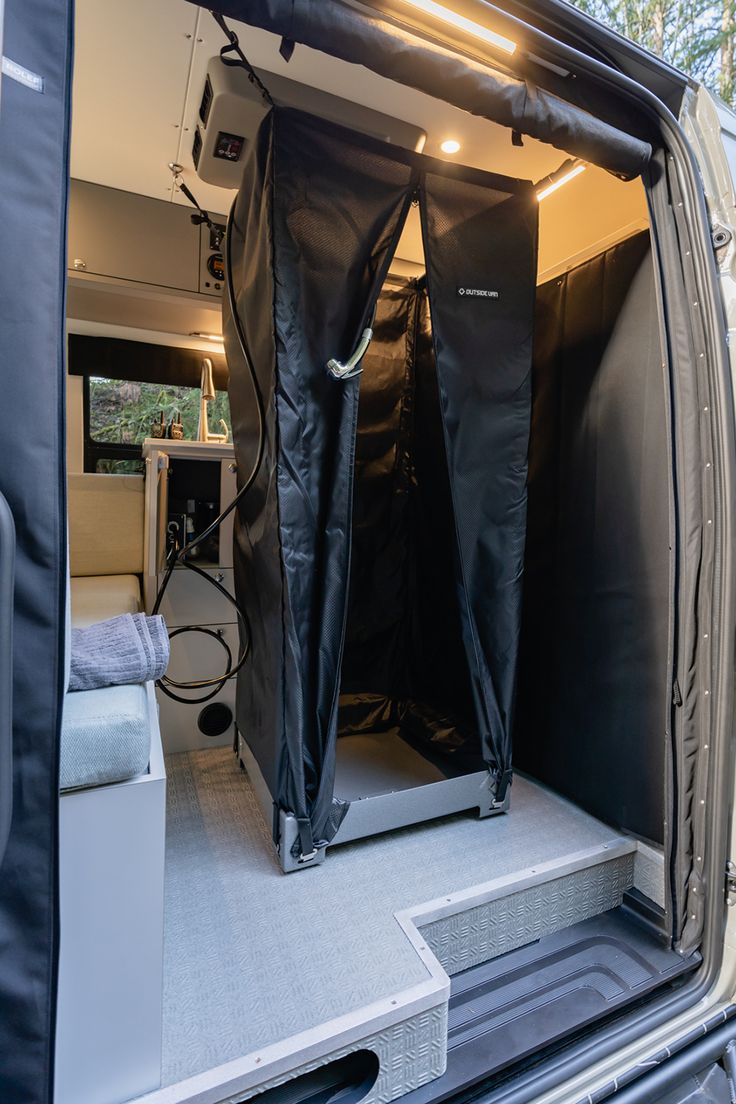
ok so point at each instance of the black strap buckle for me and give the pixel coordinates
(307, 850)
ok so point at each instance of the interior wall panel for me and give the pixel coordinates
(592, 696)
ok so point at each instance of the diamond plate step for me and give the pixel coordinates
(408, 1029)
(491, 920)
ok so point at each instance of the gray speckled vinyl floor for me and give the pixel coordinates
(253, 956)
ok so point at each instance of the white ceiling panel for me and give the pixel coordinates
(131, 67)
(483, 144)
(139, 74)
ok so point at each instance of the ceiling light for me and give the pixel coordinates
(567, 171)
(450, 145)
(207, 336)
(464, 24)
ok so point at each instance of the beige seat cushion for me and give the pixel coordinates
(105, 524)
(99, 597)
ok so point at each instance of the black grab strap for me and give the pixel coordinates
(240, 59)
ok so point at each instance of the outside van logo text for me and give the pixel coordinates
(477, 293)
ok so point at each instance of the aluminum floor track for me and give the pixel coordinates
(269, 974)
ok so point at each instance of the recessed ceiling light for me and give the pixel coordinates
(464, 24)
(450, 145)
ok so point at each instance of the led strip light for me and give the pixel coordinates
(430, 7)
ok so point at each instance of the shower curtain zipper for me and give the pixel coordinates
(378, 284)
(500, 775)
(502, 781)
(343, 628)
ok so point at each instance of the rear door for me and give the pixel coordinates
(710, 126)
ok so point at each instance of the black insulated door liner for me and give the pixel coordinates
(597, 576)
(519, 1003)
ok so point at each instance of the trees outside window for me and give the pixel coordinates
(120, 415)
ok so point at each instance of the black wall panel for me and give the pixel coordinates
(592, 691)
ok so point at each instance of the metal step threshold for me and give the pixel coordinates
(521, 1002)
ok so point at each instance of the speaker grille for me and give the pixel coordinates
(215, 719)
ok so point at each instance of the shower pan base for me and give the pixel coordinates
(389, 785)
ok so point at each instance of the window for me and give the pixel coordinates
(129, 385)
(120, 414)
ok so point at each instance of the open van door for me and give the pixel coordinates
(34, 138)
(710, 126)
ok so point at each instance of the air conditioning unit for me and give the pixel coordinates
(232, 108)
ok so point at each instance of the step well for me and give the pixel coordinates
(481, 924)
(511, 1007)
(491, 920)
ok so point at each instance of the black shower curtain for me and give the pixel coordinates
(481, 256)
(316, 224)
(309, 260)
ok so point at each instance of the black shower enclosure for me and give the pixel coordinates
(413, 469)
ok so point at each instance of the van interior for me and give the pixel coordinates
(443, 942)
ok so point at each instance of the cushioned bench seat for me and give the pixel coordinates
(99, 597)
(106, 736)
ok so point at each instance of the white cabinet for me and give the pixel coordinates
(111, 878)
(187, 484)
(191, 600)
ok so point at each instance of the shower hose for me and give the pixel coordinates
(179, 554)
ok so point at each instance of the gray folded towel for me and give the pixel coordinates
(127, 649)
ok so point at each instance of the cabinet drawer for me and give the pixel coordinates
(191, 600)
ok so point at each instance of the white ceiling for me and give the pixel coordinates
(139, 73)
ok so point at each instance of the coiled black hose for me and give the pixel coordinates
(179, 554)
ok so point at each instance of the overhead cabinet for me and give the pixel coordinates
(122, 236)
